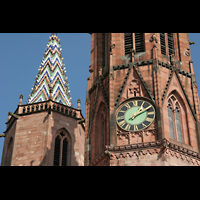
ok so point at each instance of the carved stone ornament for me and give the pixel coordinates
(133, 88)
(187, 53)
(153, 38)
(173, 60)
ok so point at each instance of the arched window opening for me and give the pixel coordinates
(174, 118)
(61, 150)
(57, 151)
(171, 121)
(178, 124)
(64, 152)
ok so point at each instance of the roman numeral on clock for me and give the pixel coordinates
(122, 123)
(150, 113)
(121, 117)
(128, 126)
(149, 119)
(127, 105)
(135, 128)
(135, 103)
(144, 125)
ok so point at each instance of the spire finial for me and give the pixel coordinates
(20, 97)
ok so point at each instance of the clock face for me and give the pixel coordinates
(135, 115)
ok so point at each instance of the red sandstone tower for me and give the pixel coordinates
(142, 105)
(46, 130)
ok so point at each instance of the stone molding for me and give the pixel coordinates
(156, 147)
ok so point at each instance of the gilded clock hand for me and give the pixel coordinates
(143, 111)
(139, 110)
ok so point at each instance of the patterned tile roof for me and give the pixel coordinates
(51, 77)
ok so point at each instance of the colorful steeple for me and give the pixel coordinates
(51, 81)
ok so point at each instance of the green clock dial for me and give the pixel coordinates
(135, 115)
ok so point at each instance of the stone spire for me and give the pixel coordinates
(51, 81)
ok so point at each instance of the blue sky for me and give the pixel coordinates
(20, 58)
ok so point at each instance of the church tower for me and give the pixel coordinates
(46, 130)
(142, 104)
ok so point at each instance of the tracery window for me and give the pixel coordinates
(178, 124)
(171, 121)
(174, 118)
(61, 150)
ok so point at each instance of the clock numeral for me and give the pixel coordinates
(127, 105)
(122, 123)
(128, 127)
(149, 119)
(122, 117)
(135, 103)
(122, 111)
(150, 113)
(144, 125)
(135, 128)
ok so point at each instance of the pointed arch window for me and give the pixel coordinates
(56, 161)
(171, 121)
(174, 118)
(61, 150)
(178, 124)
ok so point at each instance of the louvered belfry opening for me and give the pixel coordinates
(64, 152)
(61, 150)
(162, 43)
(170, 43)
(139, 42)
(57, 152)
(128, 44)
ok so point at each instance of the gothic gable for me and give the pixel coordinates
(174, 84)
(134, 86)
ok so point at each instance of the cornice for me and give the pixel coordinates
(46, 106)
(151, 148)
